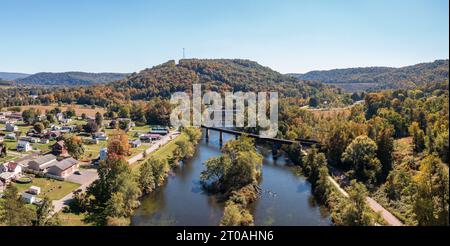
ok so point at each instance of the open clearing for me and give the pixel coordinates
(79, 109)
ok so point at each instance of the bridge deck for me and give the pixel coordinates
(304, 142)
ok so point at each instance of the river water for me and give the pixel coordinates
(286, 198)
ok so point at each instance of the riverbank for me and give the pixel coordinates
(285, 198)
(164, 149)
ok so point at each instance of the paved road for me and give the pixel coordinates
(375, 206)
(156, 145)
(386, 215)
(86, 178)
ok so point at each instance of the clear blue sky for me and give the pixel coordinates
(287, 35)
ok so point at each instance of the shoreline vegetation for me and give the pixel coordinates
(233, 177)
(112, 199)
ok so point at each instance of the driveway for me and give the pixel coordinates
(87, 177)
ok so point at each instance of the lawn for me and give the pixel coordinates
(79, 109)
(54, 189)
(71, 219)
(44, 148)
(165, 152)
(92, 151)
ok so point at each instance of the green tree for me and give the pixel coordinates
(44, 213)
(91, 127)
(312, 163)
(432, 198)
(147, 178)
(238, 166)
(13, 211)
(74, 145)
(236, 215)
(39, 127)
(418, 137)
(354, 212)
(361, 154)
(30, 116)
(98, 118)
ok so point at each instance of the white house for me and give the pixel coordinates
(12, 167)
(34, 190)
(23, 146)
(11, 136)
(28, 198)
(101, 136)
(9, 127)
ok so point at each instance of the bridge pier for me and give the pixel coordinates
(275, 150)
(221, 138)
(207, 135)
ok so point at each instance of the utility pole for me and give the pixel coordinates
(184, 54)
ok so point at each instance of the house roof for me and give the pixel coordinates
(44, 159)
(12, 165)
(66, 164)
(59, 143)
(27, 195)
(34, 188)
(23, 143)
(6, 175)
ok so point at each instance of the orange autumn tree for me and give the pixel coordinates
(118, 144)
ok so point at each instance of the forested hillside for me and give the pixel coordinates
(217, 75)
(376, 78)
(70, 79)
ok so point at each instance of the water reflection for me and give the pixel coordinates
(286, 198)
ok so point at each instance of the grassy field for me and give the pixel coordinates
(54, 189)
(71, 219)
(79, 109)
(92, 151)
(165, 152)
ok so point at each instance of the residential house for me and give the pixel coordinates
(59, 149)
(9, 127)
(12, 167)
(52, 135)
(44, 141)
(135, 143)
(64, 168)
(23, 146)
(101, 136)
(34, 190)
(9, 171)
(90, 141)
(11, 136)
(28, 198)
(42, 163)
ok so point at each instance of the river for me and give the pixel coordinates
(286, 198)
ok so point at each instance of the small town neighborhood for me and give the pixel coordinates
(35, 158)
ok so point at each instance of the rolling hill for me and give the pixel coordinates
(13, 76)
(375, 78)
(70, 79)
(213, 74)
(216, 75)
